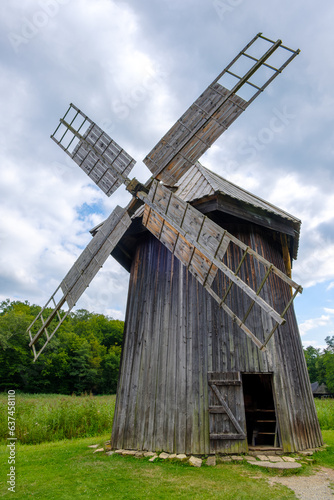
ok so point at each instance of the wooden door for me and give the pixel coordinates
(226, 412)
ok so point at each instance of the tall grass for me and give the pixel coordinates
(325, 410)
(50, 417)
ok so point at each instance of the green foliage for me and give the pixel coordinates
(325, 411)
(312, 355)
(84, 355)
(320, 365)
(50, 417)
(110, 364)
(329, 363)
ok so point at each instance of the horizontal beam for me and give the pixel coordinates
(227, 436)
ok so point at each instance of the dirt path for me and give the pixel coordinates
(315, 487)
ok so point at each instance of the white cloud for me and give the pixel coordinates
(313, 323)
(300, 198)
(315, 207)
(315, 263)
(107, 294)
(314, 343)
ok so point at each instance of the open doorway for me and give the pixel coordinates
(261, 422)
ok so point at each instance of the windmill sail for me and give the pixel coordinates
(78, 278)
(212, 113)
(200, 244)
(100, 157)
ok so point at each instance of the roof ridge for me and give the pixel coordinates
(204, 171)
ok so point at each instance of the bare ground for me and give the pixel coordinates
(319, 486)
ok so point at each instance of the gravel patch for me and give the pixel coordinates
(315, 487)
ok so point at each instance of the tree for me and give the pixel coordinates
(15, 317)
(312, 356)
(110, 370)
(329, 363)
(321, 364)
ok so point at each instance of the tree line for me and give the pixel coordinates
(320, 364)
(83, 356)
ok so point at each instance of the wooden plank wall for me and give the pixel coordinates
(162, 393)
(175, 334)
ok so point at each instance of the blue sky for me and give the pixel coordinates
(134, 67)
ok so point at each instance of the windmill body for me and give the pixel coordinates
(190, 380)
(212, 359)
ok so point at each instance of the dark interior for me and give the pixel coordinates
(262, 429)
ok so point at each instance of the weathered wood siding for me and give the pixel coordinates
(227, 414)
(175, 334)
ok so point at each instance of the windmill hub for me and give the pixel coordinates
(134, 186)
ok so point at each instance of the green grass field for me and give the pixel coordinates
(325, 410)
(52, 417)
(68, 469)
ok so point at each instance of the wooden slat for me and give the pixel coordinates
(224, 382)
(199, 265)
(227, 436)
(217, 409)
(190, 224)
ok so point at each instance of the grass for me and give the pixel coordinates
(326, 458)
(50, 417)
(325, 411)
(70, 470)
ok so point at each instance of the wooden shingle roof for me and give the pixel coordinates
(199, 183)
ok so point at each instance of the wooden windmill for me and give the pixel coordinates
(212, 359)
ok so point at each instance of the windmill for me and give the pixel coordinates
(209, 319)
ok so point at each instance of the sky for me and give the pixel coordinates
(134, 67)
